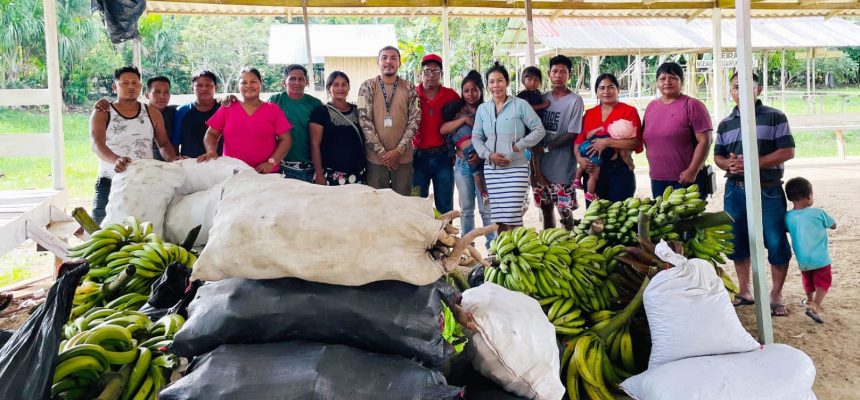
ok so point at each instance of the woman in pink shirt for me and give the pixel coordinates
(257, 133)
(677, 134)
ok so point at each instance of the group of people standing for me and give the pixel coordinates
(405, 136)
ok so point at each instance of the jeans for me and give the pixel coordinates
(100, 200)
(306, 175)
(468, 197)
(436, 167)
(616, 182)
(773, 207)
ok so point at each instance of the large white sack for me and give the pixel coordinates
(268, 227)
(690, 313)
(514, 344)
(774, 372)
(184, 213)
(143, 191)
(203, 176)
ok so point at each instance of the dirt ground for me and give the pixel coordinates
(833, 346)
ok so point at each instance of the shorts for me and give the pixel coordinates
(477, 169)
(820, 278)
(583, 149)
(773, 207)
(563, 196)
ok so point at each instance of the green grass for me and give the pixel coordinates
(35, 172)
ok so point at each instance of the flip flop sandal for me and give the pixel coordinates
(778, 310)
(742, 301)
(814, 315)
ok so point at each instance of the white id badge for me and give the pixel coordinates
(387, 123)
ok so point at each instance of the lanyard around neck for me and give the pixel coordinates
(385, 95)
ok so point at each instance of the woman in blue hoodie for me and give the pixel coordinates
(504, 128)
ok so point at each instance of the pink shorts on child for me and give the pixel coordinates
(817, 278)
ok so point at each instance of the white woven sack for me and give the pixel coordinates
(690, 313)
(199, 176)
(184, 213)
(774, 372)
(514, 344)
(268, 227)
(143, 191)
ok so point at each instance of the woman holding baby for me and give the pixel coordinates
(611, 131)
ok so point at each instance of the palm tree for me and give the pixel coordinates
(22, 26)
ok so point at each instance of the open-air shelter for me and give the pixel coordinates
(14, 227)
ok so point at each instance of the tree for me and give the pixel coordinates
(22, 29)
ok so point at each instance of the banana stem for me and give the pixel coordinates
(621, 319)
(84, 220)
(644, 232)
(704, 221)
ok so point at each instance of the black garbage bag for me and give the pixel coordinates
(4, 336)
(167, 291)
(120, 17)
(475, 386)
(385, 317)
(476, 277)
(27, 359)
(299, 370)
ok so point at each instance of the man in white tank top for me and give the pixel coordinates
(123, 134)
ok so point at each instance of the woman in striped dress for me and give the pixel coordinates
(504, 128)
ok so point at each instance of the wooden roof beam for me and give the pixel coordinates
(833, 14)
(695, 14)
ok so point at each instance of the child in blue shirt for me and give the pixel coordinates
(808, 229)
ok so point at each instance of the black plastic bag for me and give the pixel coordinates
(120, 17)
(4, 336)
(476, 277)
(27, 359)
(300, 370)
(167, 291)
(385, 317)
(475, 385)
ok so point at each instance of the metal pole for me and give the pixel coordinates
(764, 75)
(55, 90)
(808, 71)
(311, 74)
(593, 70)
(752, 185)
(782, 78)
(446, 46)
(812, 51)
(638, 71)
(136, 51)
(717, 25)
(531, 34)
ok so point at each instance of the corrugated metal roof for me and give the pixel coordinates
(503, 8)
(579, 36)
(287, 41)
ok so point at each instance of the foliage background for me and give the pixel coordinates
(177, 46)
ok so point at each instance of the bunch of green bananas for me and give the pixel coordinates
(711, 244)
(617, 222)
(104, 358)
(587, 365)
(128, 304)
(564, 315)
(111, 250)
(552, 264)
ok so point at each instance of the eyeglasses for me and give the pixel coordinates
(431, 72)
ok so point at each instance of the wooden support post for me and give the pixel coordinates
(752, 185)
(446, 46)
(531, 34)
(55, 90)
(782, 79)
(840, 144)
(764, 75)
(716, 24)
(311, 73)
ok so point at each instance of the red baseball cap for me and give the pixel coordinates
(431, 58)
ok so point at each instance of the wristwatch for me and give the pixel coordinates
(271, 161)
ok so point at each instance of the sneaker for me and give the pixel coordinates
(577, 185)
(591, 197)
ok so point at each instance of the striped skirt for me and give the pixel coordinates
(507, 188)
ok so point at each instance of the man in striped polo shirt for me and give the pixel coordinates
(776, 146)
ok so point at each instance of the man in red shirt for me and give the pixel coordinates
(432, 158)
